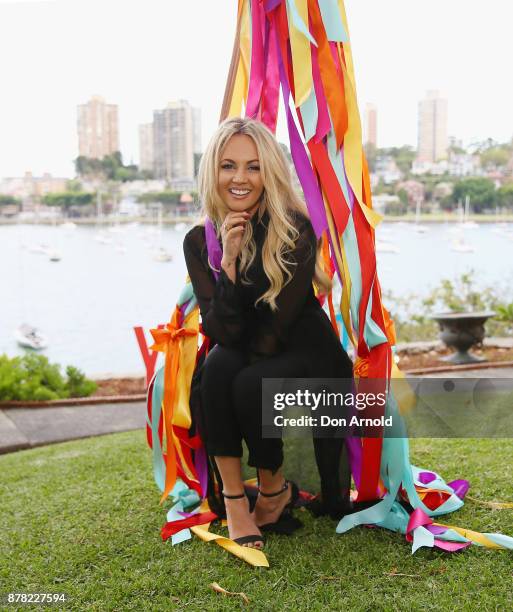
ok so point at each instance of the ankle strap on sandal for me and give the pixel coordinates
(282, 490)
(233, 496)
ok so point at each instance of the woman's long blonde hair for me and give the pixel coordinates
(279, 199)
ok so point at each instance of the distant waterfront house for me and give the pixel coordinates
(10, 210)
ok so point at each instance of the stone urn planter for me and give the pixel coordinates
(461, 331)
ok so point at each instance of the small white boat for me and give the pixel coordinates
(116, 229)
(465, 223)
(181, 227)
(30, 337)
(102, 239)
(54, 255)
(162, 255)
(69, 225)
(504, 232)
(417, 227)
(386, 247)
(460, 246)
(40, 249)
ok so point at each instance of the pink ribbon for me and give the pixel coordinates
(257, 60)
(271, 90)
(419, 518)
(460, 487)
(215, 252)
(304, 170)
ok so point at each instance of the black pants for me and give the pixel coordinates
(231, 407)
(231, 401)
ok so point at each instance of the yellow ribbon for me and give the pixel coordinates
(339, 254)
(301, 55)
(473, 536)
(240, 89)
(250, 555)
(168, 340)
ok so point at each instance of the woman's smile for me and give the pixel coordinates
(239, 193)
(240, 182)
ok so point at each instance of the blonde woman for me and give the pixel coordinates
(262, 317)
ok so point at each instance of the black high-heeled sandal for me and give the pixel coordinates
(249, 539)
(286, 523)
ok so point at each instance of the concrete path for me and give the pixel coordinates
(22, 428)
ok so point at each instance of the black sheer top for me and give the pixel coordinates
(228, 312)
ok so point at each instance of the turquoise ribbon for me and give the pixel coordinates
(332, 20)
(299, 24)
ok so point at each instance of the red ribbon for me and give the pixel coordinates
(172, 527)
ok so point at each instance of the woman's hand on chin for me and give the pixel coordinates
(232, 231)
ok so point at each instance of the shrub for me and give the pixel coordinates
(33, 378)
(411, 313)
(78, 384)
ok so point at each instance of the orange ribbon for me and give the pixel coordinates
(167, 340)
(361, 367)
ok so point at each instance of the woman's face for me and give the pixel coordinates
(240, 182)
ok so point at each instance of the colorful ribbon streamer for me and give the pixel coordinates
(303, 47)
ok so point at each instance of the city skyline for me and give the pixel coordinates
(97, 128)
(432, 137)
(176, 130)
(153, 59)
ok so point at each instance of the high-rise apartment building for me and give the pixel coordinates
(196, 130)
(146, 151)
(370, 125)
(98, 128)
(174, 143)
(432, 128)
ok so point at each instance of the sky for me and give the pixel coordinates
(140, 54)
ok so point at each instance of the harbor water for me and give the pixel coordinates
(88, 302)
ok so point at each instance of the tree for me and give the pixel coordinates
(403, 156)
(164, 197)
(88, 167)
(402, 194)
(9, 200)
(146, 175)
(455, 149)
(67, 199)
(495, 156)
(395, 209)
(109, 168)
(492, 153)
(481, 192)
(505, 196)
(74, 185)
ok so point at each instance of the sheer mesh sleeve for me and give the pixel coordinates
(222, 313)
(273, 327)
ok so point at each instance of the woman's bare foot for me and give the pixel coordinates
(269, 509)
(240, 522)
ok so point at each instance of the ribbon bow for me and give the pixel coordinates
(168, 340)
(164, 338)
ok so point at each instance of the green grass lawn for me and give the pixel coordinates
(83, 518)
